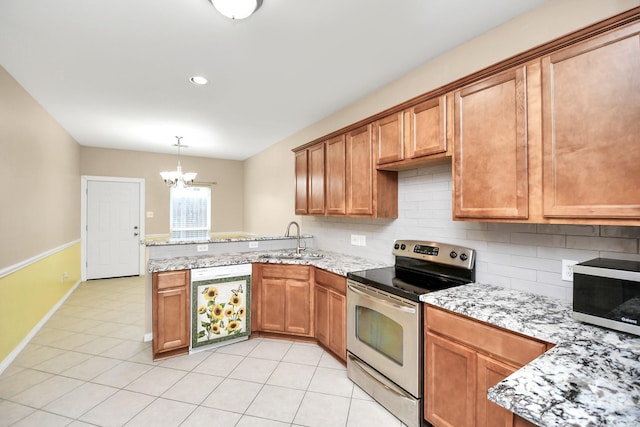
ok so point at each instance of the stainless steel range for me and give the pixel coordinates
(384, 321)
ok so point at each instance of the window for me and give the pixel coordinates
(190, 213)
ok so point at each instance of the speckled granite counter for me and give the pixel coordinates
(239, 238)
(330, 261)
(590, 378)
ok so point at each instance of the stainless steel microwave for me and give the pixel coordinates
(606, 292)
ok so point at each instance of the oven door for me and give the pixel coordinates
(383, 330)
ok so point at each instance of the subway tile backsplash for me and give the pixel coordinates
(519, 256)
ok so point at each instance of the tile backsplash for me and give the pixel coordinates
(519, 256)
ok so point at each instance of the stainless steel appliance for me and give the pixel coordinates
(220, 306)
(606, 292)
(385, 326)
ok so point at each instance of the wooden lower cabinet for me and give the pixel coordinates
(463, 359)
(171, 313)
(330, 312)
(450, 382)
(284, 299)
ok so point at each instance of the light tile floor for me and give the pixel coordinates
(89, 366)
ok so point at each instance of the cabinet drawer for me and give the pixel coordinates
(282, 271)
(172, 279)
(505, 345)
(331, 281)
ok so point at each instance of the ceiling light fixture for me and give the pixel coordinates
(176, 178)
(198, 80)
(237, 9)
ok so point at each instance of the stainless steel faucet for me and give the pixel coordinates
(287, 234)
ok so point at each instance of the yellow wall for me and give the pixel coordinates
(269, 175)
(28, 294)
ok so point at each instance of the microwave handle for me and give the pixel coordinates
(382, 300)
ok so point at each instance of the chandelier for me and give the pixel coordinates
(236, 9)
(176, 178)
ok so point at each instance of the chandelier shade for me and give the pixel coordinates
(236, 9)
(176, 178)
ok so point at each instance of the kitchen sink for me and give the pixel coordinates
(291, 255)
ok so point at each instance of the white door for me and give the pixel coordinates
(113, 229)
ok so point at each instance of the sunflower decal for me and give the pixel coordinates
(220, 312)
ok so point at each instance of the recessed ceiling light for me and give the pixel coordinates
(199, 80)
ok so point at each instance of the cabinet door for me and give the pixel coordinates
(336, 177)
(389, 138)
(360, 171)
(273, 304)
(338, 325)
(322, 315)
(316, 179)
(488, 414)
(301, 183)
(490, 153)
(428, 134)
(450, 382)
(297, 307)
(591, 117)
(172, 319)
(171, 315)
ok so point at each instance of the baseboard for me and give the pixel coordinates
(16, 351)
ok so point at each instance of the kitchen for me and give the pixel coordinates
(520, 256)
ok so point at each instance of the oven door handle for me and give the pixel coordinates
(380, 299)
(400, 393)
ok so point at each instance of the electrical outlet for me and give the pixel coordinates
(202, 248)
(567, 269)
(253, 245)
(358, 240)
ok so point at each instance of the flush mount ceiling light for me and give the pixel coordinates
(198, 80)
(237, 9)
(176, 178)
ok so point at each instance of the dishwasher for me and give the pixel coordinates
(220, 306)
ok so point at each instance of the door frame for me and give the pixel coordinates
(83, 219)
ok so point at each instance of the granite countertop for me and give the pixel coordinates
(239, 237)
(331, 261)
(590, 378)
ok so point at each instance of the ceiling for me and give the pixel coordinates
(116, 73)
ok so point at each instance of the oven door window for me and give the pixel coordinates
(379, 332)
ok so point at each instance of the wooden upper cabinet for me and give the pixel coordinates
(360, 171)
(316, 179)
(427, 128)
(490, 153)
(415, 136)
(301, 182)
(336, 177)
(370, 192)
(591, 122)
(389, 135)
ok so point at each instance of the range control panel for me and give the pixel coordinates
(442, 253)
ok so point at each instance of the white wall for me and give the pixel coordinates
(519, 256)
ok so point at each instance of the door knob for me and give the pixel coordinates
(135, 227)
(135, 234)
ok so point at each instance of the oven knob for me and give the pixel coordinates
(396, 246)
(453, 254)
(463, 257)
(403, 246)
